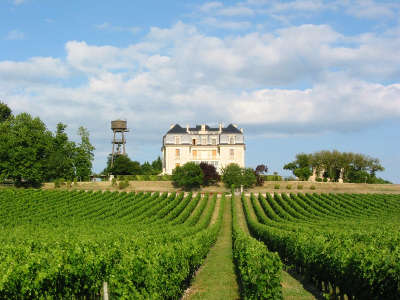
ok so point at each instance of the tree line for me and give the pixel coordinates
(123, 165)
(332, 165)
(30, 154)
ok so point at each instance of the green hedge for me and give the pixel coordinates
(259, 270)
(272, 177)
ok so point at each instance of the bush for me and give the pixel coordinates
(69, 183)
(188, 176)
(319, 179)
(325, 179)
(75, 182)
(299, 186)
(114, 181)
(289, 187)
(59, 182)
(210, 173)
(123, 184)
(233, 174)
(277, 186)
(312, 187)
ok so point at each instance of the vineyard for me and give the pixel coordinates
(67, 244)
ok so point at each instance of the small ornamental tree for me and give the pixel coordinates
(210, 173)
(232, 174)
(188, 176)
(260, 170)
(249, 179)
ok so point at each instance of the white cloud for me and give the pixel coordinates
(15, 35)
(231, 25)
(210, 6)
(179, 74)
(18, 2)
(113, 28)
(236, 11)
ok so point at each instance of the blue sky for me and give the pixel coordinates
(298, 75)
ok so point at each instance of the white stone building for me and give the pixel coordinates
(217, 146)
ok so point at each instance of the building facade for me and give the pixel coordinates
(217, 146)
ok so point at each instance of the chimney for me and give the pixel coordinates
(241, 130)
(220, 127)
(170, 127)
(187, 128)
(203, 127)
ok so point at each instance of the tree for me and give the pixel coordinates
(188, 176)
(210, 173)
(5, 112)
(259, 171)
(123, 165)
(84, 155)
(249, 177)
(157, 166)
(60, 163)
(25, 145)
(232, 175)
(301, 167)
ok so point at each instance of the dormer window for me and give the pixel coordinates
(177, 140)
(231, 140)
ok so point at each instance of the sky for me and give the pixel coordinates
(296, 75)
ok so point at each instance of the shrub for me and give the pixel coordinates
(325, 179)
(319, 179)
(114, 181)
(188, 176)
(69, 183)
(123, 184)
(289, 187)
(299, 186)
(210, 173)
(277, 186)
(75, 182)
(232, 174)
(312, 187)
(59, 182)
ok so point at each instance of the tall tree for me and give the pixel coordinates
(25, 145)
(157, 165)
(5, 112)
(84, 155)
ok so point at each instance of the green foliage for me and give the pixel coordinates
(114, 181)
(66, 247)
(347, 241)
(233, 174)
(299, 186)
(5, 112)
(188, 176)
(277, 186)
(24, 149)
(123, 165)
(84, 155)
(289, 187)
(318, 179)
(123, 184)
(312, 187)
(259, 270)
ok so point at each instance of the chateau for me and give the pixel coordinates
(217, 146)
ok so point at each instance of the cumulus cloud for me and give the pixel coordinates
(106, 26)
(179, 74)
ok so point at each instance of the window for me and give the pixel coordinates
(177, 153)
(231, 154)
(214, 154)
(193, 141)
(194, 154)
(177, 140)
(204, 141)
(213, 141)
(231, 140)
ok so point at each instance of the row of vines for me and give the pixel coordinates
(348, 244)
(60, 244)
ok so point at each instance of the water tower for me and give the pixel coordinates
(119, 127)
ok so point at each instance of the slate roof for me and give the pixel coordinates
(179, 129)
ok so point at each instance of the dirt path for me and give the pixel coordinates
(216, 279)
